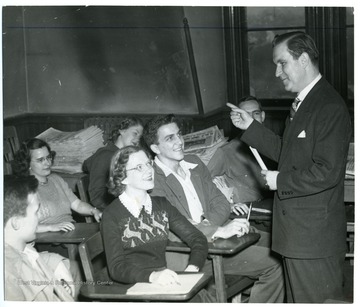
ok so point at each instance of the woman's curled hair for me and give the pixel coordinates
(118, 168)
(22, 158)
(125, 124)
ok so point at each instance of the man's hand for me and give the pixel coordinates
(237, 227)
(270, 178)
(240, 209)
(240, 118)
(223, 187)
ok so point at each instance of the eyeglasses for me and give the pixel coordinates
(142, 167)
(48, 158)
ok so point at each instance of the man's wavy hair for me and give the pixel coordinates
(297, 43)
(126, 123)
(151, 128)
(16, 191)
(118, 168)
(22, 158)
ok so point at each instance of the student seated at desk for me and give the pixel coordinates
(234, 165)
(57, 200)
(29, 275)
(128, 132)
(186, 182)
(135, 226)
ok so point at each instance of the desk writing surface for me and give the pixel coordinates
(78, 235)
(254, 216)
(229, 246)
(186, 283)
(117, 291)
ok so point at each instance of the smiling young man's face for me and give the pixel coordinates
(170, 147)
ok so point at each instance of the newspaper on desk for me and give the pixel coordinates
(204, 143)
(72, 148)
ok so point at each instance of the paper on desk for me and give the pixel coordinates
(187, 282)
(258, 158)
(261, 210)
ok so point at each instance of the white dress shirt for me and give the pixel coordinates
(191, 195)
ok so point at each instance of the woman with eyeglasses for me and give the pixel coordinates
(56, 198)
(135, 226)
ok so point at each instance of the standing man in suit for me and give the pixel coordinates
(309, 225)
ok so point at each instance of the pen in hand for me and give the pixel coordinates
(248, 216)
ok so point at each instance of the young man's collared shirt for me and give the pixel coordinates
(27, 280)
(191, 195)
(301, 96)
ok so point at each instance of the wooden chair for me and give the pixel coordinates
(10, 135)
(350, 230)
(7, 158)
(82, 186)
(99, 286)
(10, 146)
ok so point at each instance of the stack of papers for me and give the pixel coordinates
(204, 143)
(350, 165)
(72, 148)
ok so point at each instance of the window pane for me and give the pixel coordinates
(271, 17)
(263, 83)
(350, 61)
(349, 16)
(262, 22)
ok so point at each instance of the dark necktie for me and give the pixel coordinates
(293, 108)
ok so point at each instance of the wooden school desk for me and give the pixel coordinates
(71, 239)
(218, 249)
(349, 190)
(118, 292)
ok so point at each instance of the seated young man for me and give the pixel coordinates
(29, 275)
(186, 182)
(235, 170)
(237, 164)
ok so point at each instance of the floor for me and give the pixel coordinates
(349, 266)
(348, 287)
(349, 281)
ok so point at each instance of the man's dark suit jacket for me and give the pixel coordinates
(309, 212)
(215, 206)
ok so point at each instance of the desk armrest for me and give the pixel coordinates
(229, 246)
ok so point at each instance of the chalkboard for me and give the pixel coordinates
(108, 59)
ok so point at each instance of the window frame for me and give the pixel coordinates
(327, 25)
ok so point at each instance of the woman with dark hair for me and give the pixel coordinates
(56, 198)
(128, 132)
(135, 226)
